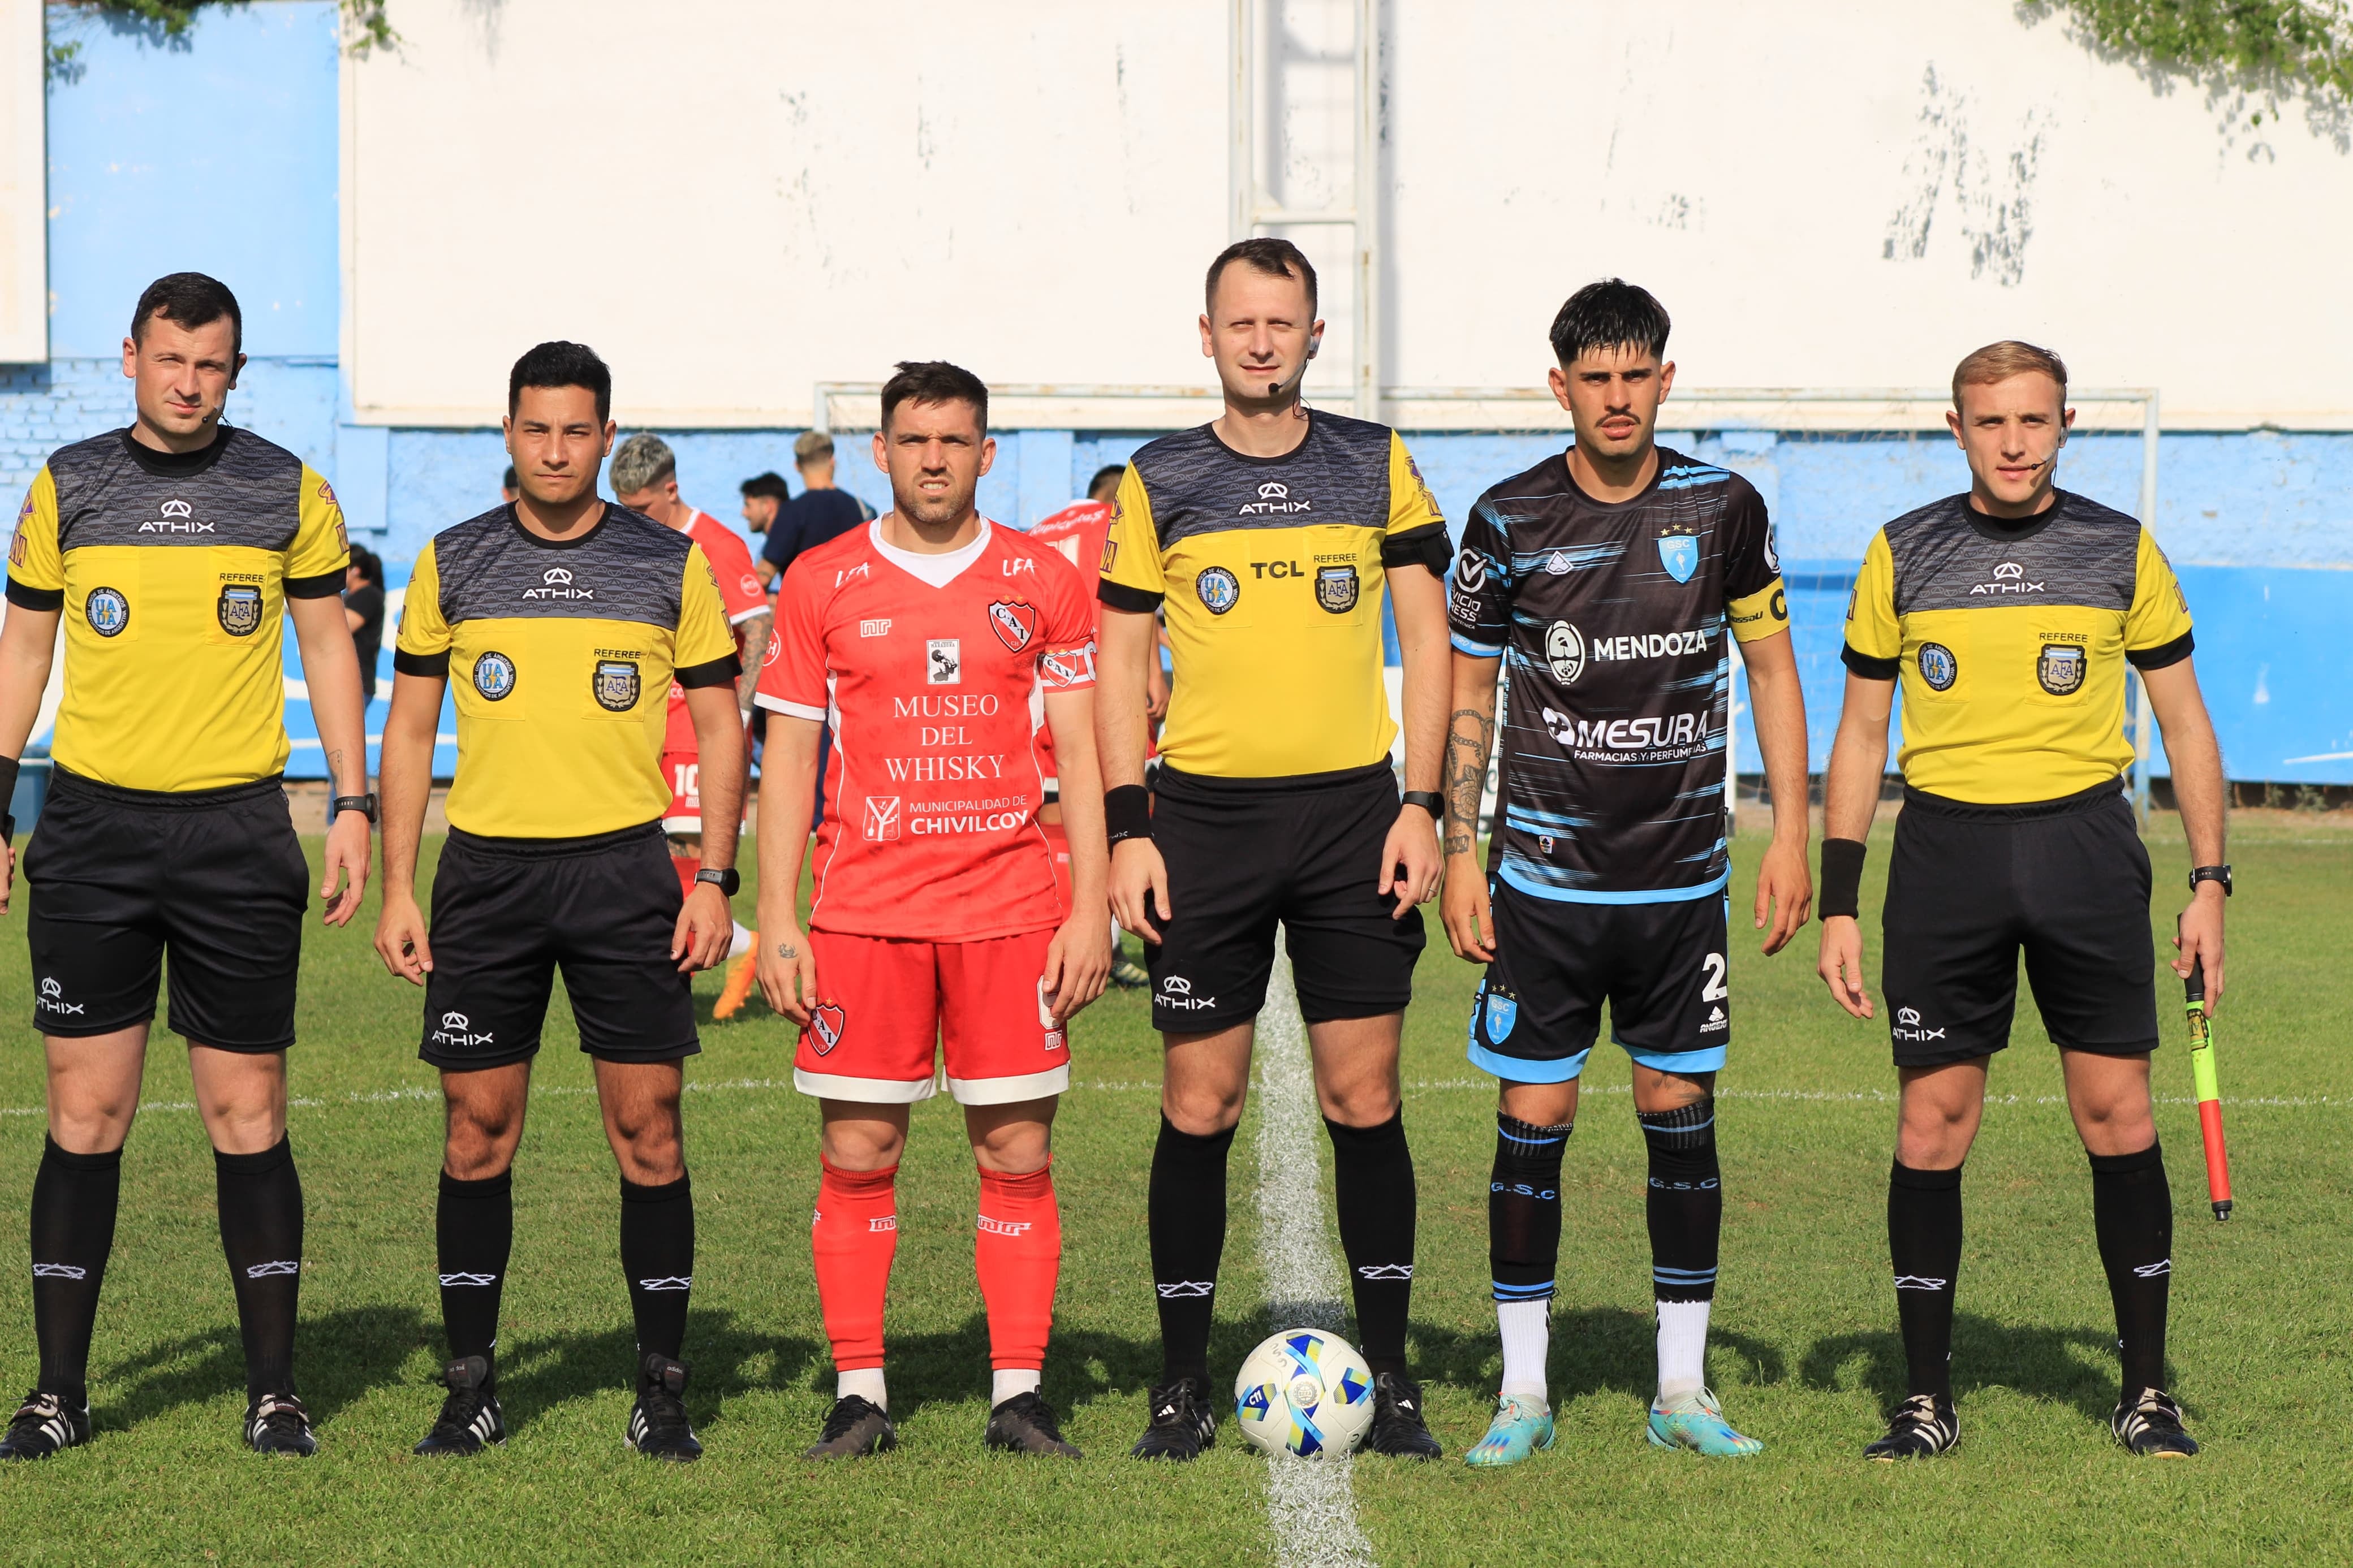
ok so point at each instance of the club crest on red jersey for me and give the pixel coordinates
(1015, 622)
(827, 1021)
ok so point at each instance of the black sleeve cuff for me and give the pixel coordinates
(1424, 546)
(30, 598)
(431, 666)
(720, 671)
(1120, 597)
(1870, 669)
(2156, 658)
(325, 586)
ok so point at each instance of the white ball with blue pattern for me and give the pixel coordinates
(1305, 1394)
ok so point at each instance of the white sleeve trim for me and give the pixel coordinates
(790, 710)
(738, 620)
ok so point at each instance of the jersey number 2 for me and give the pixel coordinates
(1713, 988)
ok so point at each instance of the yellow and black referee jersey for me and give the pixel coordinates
(2011, 639)
(1272, 571)
(561, 654)
(172, 571)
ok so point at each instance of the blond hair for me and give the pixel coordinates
(2000, 362)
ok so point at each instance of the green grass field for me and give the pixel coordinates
(1805, 1351)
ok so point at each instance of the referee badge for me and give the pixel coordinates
(617, 684)
(107, 611)
(1335, 588)
(239, 609)
(494, 676)
(1218, 589)
(1938, 668)
(2060, 669)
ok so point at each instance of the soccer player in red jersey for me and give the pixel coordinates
(935, 919)
(644, 476)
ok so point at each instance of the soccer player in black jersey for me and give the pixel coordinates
(1611, 578)
(175, 552)
(2009, 614)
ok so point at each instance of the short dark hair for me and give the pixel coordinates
(370, 567)
(1612, 313)
(1113, 472)
(770, 484)
(191, 300)
(513, 481)
(936, 380)
(561, 364)
(1274, 257)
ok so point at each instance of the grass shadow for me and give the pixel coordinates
(2074, 1366)
(1594, 1349)
(338, 1358)
(728, 1357)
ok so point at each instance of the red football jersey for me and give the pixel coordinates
(1078, 531)
(739, 589)
(931, 670)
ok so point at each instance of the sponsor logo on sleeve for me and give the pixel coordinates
(1015, 622)
(749, 583)
(1335, 588)
(617, 684)
(1470, 570)
(944, 661)
(1218, 589)
(1938, 668)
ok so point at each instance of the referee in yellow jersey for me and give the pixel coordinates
(559, 620)
(1271, 536)
(174, 551)
(2009, 614)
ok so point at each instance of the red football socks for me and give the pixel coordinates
(686, 865)
(1018, 1254)
(853, 1240)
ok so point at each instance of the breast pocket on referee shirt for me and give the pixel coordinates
(490, 682)
(236, 595)
(620, 679)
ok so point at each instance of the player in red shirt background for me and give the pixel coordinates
(1080, 532)
(644, 476)
(935, 919)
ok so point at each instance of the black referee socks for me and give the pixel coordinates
(658, 1256)
(473, 1226)
(1372, 1186)
(1923, 1243)
(1685, 1206)
(74, 1199)
(2132, 1212)
(1185, 1214)
(261, 1232)
(1523, 1208)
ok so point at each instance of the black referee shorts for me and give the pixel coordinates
(119, 874)
(507, 912)
(1969, 887)
(1243, 854)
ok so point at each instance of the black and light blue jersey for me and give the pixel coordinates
(1611, 620)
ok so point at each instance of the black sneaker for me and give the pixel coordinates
(44, 1424)
(471, 1419)
(1924, 1426)
(856, 1428)
(1025, 1423)
(658, 1424)
(1398, 1429)
(277, 1424)
(1182, 1422)
(2151, 1424)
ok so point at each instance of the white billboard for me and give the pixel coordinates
(24, 187)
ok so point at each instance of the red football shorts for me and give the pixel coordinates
(683, 772)
(884, 1007)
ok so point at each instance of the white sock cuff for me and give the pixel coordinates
(866, 1383)
(1008, 1383)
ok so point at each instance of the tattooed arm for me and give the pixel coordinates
(1470, 741)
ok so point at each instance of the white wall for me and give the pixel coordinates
(736, 200)
(24, 216)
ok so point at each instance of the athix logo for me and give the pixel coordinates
(177, 518)
(52, 998)
(2009, 578)
(555, 583)
(1176, 995)
(1907, 1026)
(1273, 498)
(1003, 1227)
(457, 1030)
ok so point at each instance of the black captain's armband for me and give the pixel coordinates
(429, 666)
(1423, 546)
(1870, 669)
(1841, 892)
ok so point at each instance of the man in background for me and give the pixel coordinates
(819, 512)
(364, 612)
(510, 488)
(763, 496)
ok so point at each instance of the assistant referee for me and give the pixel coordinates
(2009, 614)
(1272, 535)
(174, 551)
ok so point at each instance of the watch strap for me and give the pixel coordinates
(2212, 874)
(1430, 800)
(365, 804)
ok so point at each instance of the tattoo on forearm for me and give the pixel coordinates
(1470, 741)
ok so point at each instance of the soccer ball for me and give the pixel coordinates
(1306, 1394)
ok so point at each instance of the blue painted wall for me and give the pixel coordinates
(218, 152)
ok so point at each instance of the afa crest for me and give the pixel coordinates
(2060, 669)
(1335, 588)
(617, 684)
(239, 609)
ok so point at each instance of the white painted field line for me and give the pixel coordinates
(1310, 1506)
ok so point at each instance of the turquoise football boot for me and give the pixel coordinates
(1696, 1422)
(1521, 1426)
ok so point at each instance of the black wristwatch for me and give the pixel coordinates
(362, 804)
(1430, 800)
(726, 881)
(2212, 874)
